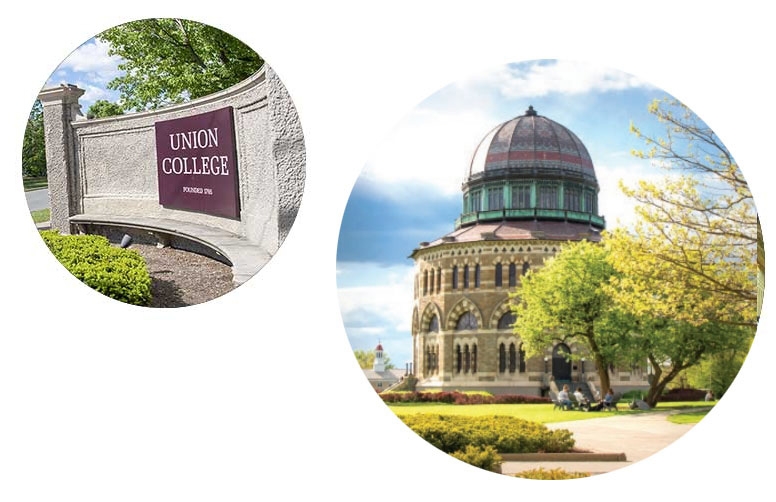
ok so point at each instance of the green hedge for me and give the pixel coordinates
(452, 433)
(542, 473)
(485, 458)
(118, 273)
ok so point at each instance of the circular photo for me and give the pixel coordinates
(551, 270)
(163, 162)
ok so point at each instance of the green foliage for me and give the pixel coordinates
(171, 60)
(483, 457)
(103, 108)
(564, 302)
(717, 372)
(34, 146)
(118, 273)
(452, 433)
(542, 473)
(366, 359)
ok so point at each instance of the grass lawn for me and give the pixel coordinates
(35, 183)
(41, 215)
(692, 417)
(542, 413)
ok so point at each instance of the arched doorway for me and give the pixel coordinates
(561, 367)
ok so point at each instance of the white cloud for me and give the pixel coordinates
(386, 303)
(616, 207)
(565, 77)
(431, 148)
(92, 58)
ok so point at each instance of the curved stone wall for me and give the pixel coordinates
(109, 167)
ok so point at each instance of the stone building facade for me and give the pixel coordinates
(531, 187)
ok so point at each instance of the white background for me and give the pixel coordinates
(255, 396)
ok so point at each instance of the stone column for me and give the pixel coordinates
(60, 108)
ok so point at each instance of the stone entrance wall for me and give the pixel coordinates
(108, 166)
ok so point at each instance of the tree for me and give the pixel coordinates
(687, 268)
(366, 359)
(103, 108)
(564, 302)
(673, 347)
(698, 225)
(171, 60)
(34, 145)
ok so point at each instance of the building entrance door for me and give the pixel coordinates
(561, 368)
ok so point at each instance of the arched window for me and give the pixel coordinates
(506, 321)
(477, 276)
(427, 369)
(467, 359)
(512, 358)
(572, 196)
(512, 275)
(433, 325)
(526, 267)
(439, 280)
(425, 283)
(502, 358)
(495, 198)
(458, 360)
(521, 196)
(497, 279)
(431, 282)
(465, 276)
(474, 358)
(466, 321)
(548, 197)
(455, 276)
(475, 201)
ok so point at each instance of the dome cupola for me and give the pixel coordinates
(531, 168)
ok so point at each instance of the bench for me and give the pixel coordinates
(245, 257)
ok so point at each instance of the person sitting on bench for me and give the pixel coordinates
(563, 398)
(581, 399)
(606, 402)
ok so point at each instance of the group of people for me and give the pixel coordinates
(565, 400)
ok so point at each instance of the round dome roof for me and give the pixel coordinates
(532, 143)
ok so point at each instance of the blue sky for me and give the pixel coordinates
(410, 188)
(90, 68)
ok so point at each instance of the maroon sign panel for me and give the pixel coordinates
(197, 163)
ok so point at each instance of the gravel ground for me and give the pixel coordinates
(180, 278)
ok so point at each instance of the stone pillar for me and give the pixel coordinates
(60, 108)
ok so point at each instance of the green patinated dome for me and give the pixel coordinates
(531, 168)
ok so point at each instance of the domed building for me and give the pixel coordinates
(531, 187)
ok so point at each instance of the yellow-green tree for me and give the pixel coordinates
(687, 267)
(692, 254)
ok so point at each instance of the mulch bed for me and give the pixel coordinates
(181, 278)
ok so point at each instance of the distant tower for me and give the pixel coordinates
(379, 364)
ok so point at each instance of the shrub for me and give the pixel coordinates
(674, 395)
(542, 473)
(452, 433)
(460, 398)
(118, 273)
(483, 457)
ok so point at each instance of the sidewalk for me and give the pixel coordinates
(637, 436)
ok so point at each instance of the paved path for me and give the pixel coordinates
(37, 199)
(638, 436)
